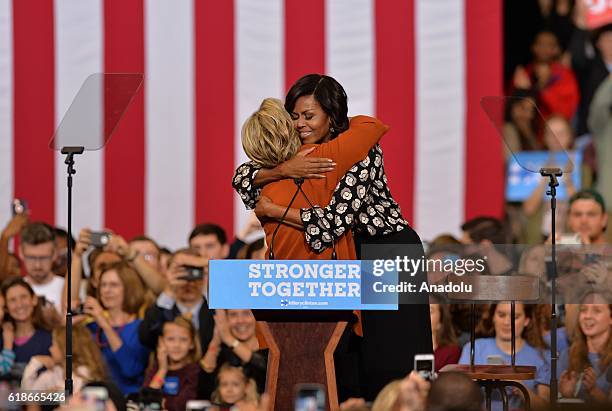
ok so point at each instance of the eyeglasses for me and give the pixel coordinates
(37, 258)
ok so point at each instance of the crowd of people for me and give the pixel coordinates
(143, 329)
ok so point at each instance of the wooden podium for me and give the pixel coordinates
(302, 345)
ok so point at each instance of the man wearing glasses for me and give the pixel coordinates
(38, 251)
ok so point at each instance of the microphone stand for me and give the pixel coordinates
(271, 251)
(299, 182)
(70, 153)
(553, 173)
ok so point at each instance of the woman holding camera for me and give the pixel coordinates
(115, 326)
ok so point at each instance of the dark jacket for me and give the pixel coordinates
(155, 317)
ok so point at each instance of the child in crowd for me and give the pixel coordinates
(584, 366)
(48, 372)
(235, 388)
(177, 369)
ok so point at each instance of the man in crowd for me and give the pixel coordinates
(181, 296)
(38, 251)
(210, 241)
(587, 217)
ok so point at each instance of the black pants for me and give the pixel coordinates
(392, 338)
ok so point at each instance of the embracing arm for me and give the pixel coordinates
(249, 177)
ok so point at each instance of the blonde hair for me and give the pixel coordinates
(195, 352)
(268, 136)
(387, 397)
(250, 392)
(86, 353)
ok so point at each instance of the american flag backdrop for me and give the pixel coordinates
(419, 65)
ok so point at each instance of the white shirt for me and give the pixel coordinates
(52, 291)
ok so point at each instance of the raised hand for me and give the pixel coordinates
(302, 166)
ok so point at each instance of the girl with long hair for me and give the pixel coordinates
(444, 342)
(530, 350)
(235, 388)
(176, 370)
(48, 372)
(583, 367)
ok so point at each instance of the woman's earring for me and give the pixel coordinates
(331, 130)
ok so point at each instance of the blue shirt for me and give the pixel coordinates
(601, 382)
(527, 355)
(562, 339)
(38, 344)
(128, 363)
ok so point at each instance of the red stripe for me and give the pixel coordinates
(124, 168)
(395, 95)
(484, 175)
(34, 106)
(304, 39)
(214, 109)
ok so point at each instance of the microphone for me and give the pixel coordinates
(299, 182)
(282, 219)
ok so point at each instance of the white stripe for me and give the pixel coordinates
(259, 68)
(78, 54)
(169, 113)
(440, 114)
(6, 110)
(349, 51)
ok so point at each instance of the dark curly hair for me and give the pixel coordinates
(328, 93)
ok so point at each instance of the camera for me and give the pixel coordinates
(79, 310)
(100, 239)
(19, 206)
(424, 365)
(193, 273)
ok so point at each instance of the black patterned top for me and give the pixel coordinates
(362, 200)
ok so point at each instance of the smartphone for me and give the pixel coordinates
(100, 239)
(309, 397)
(569, 239)
(19, 206)
(424, 364)
(193, 273)
(79, 310)
(96, 396)
(495, 360)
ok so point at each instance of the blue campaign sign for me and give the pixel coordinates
(288, 284)
(521, 182)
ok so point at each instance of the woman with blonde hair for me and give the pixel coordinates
(115, 326)
(48, 372)
(584, 366)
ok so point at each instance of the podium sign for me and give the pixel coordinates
(288, 285)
